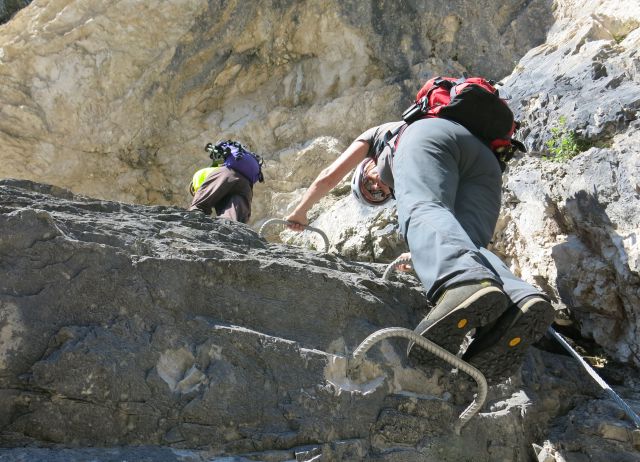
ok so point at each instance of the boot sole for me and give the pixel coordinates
(480, 309)
(504, 358)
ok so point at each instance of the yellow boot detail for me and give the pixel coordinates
(514, 341)
(462, 323)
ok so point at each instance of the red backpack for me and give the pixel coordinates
(474, 103)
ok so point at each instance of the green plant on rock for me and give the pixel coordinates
(563, 144)
(619, 37)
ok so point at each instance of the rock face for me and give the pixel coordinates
(118, 102)
(579, 220)
(586, 73)
(172, 336)
(579, 224)
(132, 332)
(135, 320)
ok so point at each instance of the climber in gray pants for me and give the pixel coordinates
(448, 191)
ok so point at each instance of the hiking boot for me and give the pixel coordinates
(459, 310)
(499, 350)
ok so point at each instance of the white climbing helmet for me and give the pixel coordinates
(361, 185)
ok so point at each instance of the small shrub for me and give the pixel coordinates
(563, 144)
(619, 37)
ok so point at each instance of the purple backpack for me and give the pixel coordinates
(235, 156)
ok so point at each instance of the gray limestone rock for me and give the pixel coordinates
(152, 333)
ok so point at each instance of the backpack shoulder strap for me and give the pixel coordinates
(400, 130)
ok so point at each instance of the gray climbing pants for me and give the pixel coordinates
(448, 191)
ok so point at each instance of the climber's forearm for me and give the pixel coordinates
(332, 175)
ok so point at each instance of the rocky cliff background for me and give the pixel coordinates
(124, 326)
(119, 99)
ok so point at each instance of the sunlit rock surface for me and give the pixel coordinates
(118, 101)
